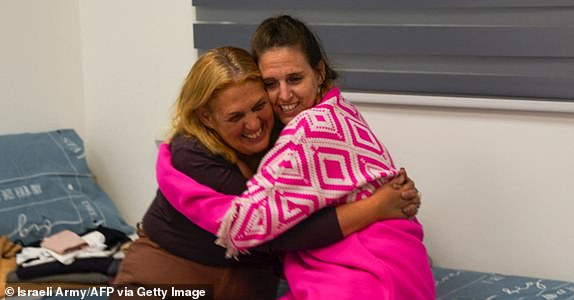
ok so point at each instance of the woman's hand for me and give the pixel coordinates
(411, 194)
(399, 198)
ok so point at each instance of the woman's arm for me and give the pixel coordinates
(205, 207)
(395, 200)
(186, 195)
(325, 156)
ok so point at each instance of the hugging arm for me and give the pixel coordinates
(395, 200)
(311, 166)
(205, 207)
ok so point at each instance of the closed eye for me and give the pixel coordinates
(235, 117)
(294, 79)
(269, 84)
(260, 105)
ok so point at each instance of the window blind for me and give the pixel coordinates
(503, 48)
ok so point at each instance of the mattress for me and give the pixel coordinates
(454, 284)
(459, 284)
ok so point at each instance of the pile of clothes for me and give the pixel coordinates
(66, 258)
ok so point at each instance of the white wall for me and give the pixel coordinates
(494, 182)
(135, 56)
(40, 66)
(109, 69)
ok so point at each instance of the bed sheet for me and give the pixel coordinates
(454, 284)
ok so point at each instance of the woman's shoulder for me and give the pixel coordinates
(190, 156)
(184, 142)
(321, 114)
(188, 145)
(328, 120)
(186, 150)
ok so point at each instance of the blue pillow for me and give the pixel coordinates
(46, 186)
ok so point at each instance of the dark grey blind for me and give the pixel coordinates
(500, 48)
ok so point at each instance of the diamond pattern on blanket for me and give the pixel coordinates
(295, 206)
(372, 168)
(326, 155)
(322, 125)
(293, 168)
(362, 137)
(333, 167)
(255, 226)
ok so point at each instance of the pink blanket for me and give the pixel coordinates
(326, 155)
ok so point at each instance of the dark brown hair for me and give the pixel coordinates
(286, 31)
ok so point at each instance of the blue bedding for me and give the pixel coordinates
(46, 187)
(454, 284)
(457, 284)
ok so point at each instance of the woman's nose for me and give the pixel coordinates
(253, 122)
(284, 92)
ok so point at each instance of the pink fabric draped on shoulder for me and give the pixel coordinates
(200, 204)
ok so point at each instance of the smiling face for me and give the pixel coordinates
(242, 117)
(291, 83)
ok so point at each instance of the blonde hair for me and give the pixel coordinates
(213, 72)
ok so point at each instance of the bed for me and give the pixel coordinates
(452, 284)
(455, 284)
(459, 284)
(46, 187)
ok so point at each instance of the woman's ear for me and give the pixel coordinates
(321, 72)
(205, 117)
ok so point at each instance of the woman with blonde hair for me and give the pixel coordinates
(223, 124)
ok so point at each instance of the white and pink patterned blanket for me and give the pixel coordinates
(327, 155)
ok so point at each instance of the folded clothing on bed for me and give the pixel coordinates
(100, 255)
